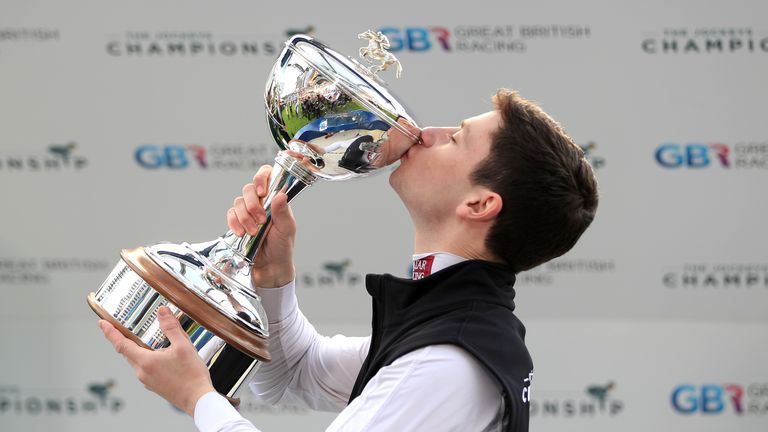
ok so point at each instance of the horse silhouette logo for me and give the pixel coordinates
(337, 268)
(62, 150)
(600, 392)
(101, 390)
(309, 30)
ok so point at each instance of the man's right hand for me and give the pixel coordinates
(273, 264)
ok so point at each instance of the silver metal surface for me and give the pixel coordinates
(191, 267)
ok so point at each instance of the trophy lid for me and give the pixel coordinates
(331, 108)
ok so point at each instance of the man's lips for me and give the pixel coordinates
(407, 154)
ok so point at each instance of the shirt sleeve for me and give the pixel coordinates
(439, 387)
(213, 413)
(307, 368)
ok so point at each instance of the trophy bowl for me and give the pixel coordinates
(332, 110)
(332, 118)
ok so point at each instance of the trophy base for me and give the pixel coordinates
(198, 309)
(145, 279)
(103, 314)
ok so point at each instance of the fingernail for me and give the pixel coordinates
(163, 311)
(259, 189)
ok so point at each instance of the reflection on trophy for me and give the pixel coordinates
(332, 118)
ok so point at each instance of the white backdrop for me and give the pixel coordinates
(131, 122)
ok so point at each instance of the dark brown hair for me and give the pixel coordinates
(548, 189)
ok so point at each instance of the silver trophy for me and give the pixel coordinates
(332, 118)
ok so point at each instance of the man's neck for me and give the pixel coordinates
(467, 244)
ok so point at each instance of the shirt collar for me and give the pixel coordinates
(425, 264)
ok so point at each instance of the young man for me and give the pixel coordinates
(504, 192)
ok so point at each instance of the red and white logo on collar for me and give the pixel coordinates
(422, 267)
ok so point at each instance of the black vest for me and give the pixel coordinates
(470, 305)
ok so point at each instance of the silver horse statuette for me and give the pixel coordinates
(376, 54)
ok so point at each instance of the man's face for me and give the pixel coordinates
(434, 176)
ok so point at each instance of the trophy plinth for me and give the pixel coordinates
(332, 119)
(201, 298)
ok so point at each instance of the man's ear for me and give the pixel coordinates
(482, 205)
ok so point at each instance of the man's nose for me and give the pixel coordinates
(437, 135)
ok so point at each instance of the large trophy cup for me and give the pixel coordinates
(332, 118)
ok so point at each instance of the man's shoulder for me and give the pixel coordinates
(497, 336)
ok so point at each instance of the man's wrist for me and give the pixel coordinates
(194, 398)
(273, 277)
(279, 303)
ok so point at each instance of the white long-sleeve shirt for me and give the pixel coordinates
(438, 387)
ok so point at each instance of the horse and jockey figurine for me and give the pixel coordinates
(376, 54)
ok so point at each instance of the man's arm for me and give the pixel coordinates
(306, 367)
(301, 358)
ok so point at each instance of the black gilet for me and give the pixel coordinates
(469, 304)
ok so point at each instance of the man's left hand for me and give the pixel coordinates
(175, 373)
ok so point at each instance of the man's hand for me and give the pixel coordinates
(398, 143)
(273, 265)
(175, 373)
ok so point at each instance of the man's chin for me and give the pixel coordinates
(396, 179)
(393, 178)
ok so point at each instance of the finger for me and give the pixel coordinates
(253, 203)
(171, 327)
(412, 128)
(261, 180)
(397, 144)
(234, 224)
(122, 345)
(246, 219)
(282, 216)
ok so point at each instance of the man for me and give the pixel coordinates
(504, 192)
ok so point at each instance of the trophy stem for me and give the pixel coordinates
(289, 175)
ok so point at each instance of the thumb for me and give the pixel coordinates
(171, 327)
